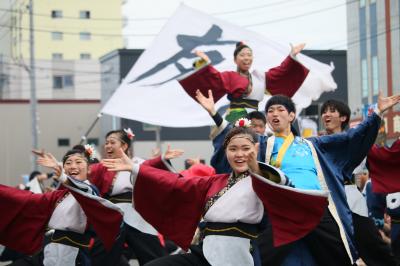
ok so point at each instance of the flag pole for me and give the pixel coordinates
(84, 137)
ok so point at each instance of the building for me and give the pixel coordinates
(373, 56)
(62, 123)
(70, 36)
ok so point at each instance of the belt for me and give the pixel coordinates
(243, 103)
(121, 198)
(238, 229)
(70, 238)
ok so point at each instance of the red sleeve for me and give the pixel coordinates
(25, 217)
(383, 165)
(221, 83)
(287, 78)
(104, 216)
(101, 178)
(171, 203)
(293, 213)
(156, 162)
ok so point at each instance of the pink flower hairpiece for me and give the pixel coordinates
(89, 149)
(129, 133)
(243, 122)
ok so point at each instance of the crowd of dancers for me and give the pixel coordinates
(269, 196)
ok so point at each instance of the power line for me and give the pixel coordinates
(77, 33)
(299, 15)
(61, 69)
(151, 35)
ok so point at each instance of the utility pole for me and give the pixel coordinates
(33, 100)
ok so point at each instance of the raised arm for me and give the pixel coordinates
(287, 78)
(47, 159)
(350, 148)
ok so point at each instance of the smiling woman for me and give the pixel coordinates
(57, 222)
(245, 87)
(140, 236)
(232, 204)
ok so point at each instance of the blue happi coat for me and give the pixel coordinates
(337, 154)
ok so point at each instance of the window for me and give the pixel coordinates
(84, 36)
(373, 29)
(57, 82)
(63, 142)
(84, 14)
(56, 14)
(375, 75)
(93, 141)
(85, 56)
(57, 56)
(61, 82)
(364, 78)
(68, 81)
(56, 35)
(362, 3)
(363, 33)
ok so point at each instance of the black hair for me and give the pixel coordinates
(239, 47)
(240, 130)
(82, 148)
(77, 150)
(34, 174)
(123, 136)
(281, 100)
(79, 147)
(257, 115)
(342, 108)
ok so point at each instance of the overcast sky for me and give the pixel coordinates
(321, 24)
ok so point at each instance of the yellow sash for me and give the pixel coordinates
(282, 151)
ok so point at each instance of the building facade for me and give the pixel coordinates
(69, 36)
(62, 124)
(373, 56)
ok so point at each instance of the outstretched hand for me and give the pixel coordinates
(47, 159)
(202, 55)
(297, 48)
(385, 103)
(124, 163)
(207, 103)
(172, 154)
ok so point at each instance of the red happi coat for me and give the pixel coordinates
(384, 168)
(25, 217)
(284, 79)
(174, 204)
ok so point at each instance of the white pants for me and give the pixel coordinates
(56, 254)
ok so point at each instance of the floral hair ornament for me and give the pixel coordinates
(243, 122)
(129, 133)
(89, 149)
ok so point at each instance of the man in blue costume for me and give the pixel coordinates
(315, 163)
(372, 249)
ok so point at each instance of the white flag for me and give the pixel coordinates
(150, 92)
